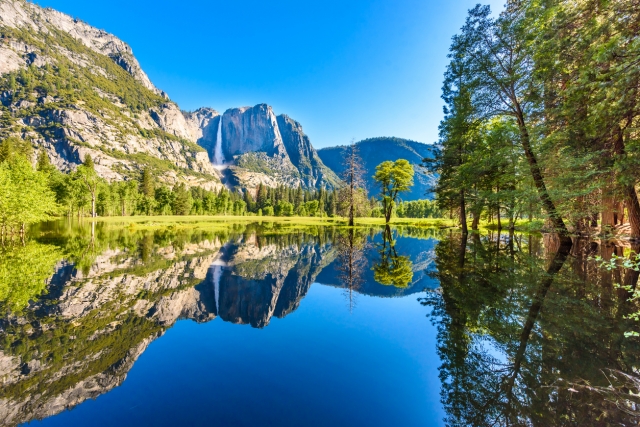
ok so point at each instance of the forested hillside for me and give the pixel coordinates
(73, 90)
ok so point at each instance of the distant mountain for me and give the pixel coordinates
(377, 150)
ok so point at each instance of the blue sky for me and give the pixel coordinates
(344, 69)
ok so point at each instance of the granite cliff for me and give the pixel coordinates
(259, 147)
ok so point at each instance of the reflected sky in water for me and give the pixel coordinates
(318, 366)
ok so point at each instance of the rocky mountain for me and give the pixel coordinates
(74, 90)
(258, 146)
(377, 150)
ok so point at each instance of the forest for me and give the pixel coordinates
(541, 117)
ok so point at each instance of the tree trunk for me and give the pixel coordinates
(463, 213)
(633, 210)
(93, 205)
(608, 216)
(538, 180)
(476, 220)
(629, 192)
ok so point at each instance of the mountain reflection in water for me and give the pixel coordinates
(528, 332)
(112, 292)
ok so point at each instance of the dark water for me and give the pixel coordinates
(259, 324)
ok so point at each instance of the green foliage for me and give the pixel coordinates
(417, 209)
(393, 178)
(25, 197)
(24, 271)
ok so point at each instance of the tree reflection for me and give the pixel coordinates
(392, 269)
(351, 261)
(24, 271)
(521, 328)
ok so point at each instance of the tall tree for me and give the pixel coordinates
(500, 70)
(353, 175)
(393, 178)
(87, 174)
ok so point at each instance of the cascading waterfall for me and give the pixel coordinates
(218, 157)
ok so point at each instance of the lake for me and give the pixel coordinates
(265, 324)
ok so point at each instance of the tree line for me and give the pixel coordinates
(29, 195)
(541, 116)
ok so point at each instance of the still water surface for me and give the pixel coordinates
(258, 324)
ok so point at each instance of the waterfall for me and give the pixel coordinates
(218, 157)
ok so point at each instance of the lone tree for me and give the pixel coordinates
(394, 178)
(87, 174)
(351, 195)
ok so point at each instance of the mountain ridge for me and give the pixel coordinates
(374, 151)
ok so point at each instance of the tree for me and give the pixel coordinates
(43, 164)
(393, 178)
(499, 69)
(351, 195)
(87, 174)
(147, 188)
(182, 200)
(25, 196)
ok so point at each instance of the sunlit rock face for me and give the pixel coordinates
(261, 148)
(251, 129)
(121, 119)
(124, 131)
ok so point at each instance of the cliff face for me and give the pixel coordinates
(260, 147)
(374, 151)
(74, 90)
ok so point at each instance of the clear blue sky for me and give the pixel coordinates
(344, 69)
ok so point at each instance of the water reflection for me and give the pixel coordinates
(92, 298)
(352, 261)
(529, 332)
(392, 269)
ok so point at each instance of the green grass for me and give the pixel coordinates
(220, 221)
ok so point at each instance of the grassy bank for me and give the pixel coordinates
(201, 221)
